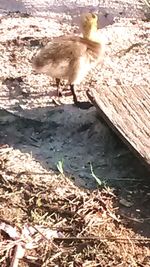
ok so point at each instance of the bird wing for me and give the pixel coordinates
(61, 49)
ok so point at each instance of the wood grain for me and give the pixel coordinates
(127, 112)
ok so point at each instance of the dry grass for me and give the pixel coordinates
(91, 231)
(92, 234)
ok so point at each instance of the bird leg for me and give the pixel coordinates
(59, 93)
(73, 93)
(81, 105)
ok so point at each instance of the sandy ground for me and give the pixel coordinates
(76, 132)
(32, 125)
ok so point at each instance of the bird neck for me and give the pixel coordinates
(91, 34)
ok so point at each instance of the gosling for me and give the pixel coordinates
(72, 57)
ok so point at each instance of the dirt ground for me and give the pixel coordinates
(37, 137)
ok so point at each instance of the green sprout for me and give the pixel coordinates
(60, 166)
(99, 182)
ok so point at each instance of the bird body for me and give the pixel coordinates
(68, 58)
(71, 57)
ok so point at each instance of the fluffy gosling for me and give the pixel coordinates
(72, 57)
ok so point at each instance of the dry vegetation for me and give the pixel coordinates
(45, 218)
(86, 230)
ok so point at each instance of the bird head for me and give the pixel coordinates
(88, 23)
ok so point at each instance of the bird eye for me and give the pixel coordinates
(93, 16)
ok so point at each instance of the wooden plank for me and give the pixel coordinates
(127, 111)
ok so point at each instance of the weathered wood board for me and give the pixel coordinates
(127, 112)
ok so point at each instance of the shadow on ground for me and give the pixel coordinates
(79, 138)
(107, 14)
